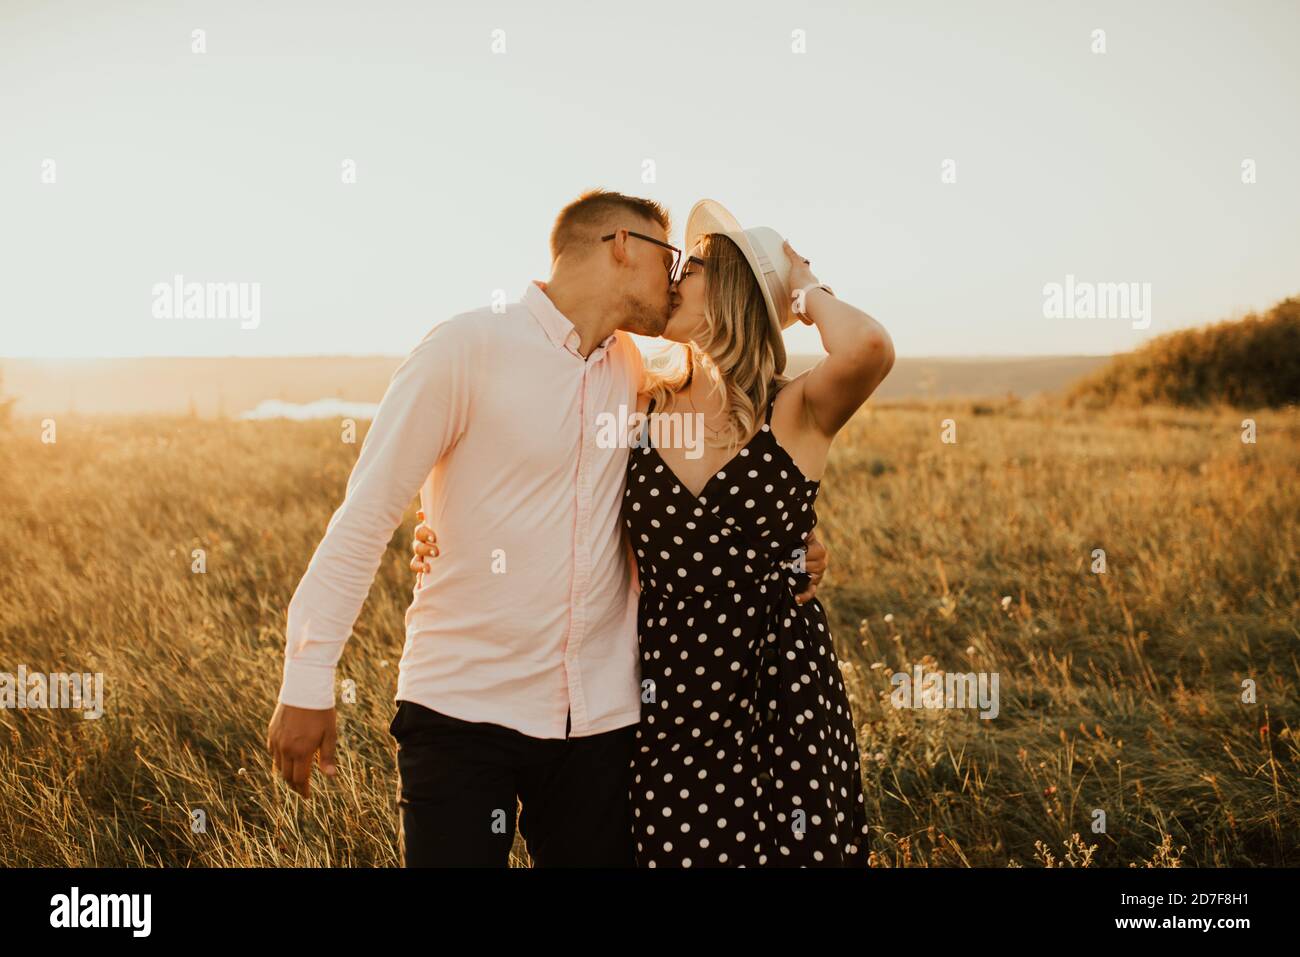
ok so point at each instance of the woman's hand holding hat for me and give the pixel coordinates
(800, 276)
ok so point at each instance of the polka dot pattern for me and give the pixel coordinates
(747, 755)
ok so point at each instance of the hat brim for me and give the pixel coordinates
(710, 216)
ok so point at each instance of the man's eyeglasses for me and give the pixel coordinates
(677, 253)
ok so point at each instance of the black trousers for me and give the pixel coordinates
(458, 782)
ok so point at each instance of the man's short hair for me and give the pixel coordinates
(598, 212)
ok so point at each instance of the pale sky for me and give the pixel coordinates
(225, 166)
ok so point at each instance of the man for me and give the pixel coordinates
(519, 680)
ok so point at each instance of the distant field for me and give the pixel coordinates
(231, 386)
(1121, 693)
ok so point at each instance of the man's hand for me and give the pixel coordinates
(424, 544)
(294, 737)
(814, 561)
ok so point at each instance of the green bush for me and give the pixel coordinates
(1250, 363)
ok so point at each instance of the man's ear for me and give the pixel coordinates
(619, 246)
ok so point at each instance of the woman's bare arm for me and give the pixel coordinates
(860, 354)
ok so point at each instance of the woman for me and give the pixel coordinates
(746, 753)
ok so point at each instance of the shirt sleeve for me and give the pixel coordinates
(422, 415)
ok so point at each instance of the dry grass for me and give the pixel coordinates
(1120, 692)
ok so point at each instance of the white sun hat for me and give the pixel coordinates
(763, 248)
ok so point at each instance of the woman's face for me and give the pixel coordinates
(687, 323)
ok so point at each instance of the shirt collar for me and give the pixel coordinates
(557, 326)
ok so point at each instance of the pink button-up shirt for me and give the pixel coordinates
(529, 613)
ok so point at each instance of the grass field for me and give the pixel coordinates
(1121, 692)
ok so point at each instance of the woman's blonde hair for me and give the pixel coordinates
(737, 353)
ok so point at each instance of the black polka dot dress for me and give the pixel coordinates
(745, 754)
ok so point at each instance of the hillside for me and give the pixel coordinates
(1252, 362)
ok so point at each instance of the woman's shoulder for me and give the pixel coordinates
(794, 430)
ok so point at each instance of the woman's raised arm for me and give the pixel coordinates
(860, 354)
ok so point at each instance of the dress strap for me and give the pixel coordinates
(642, 440)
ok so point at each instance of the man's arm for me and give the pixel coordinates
(422, 415)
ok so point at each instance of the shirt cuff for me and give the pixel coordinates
(308, 685)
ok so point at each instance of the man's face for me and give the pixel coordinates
(688, 322)
(646, 282)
